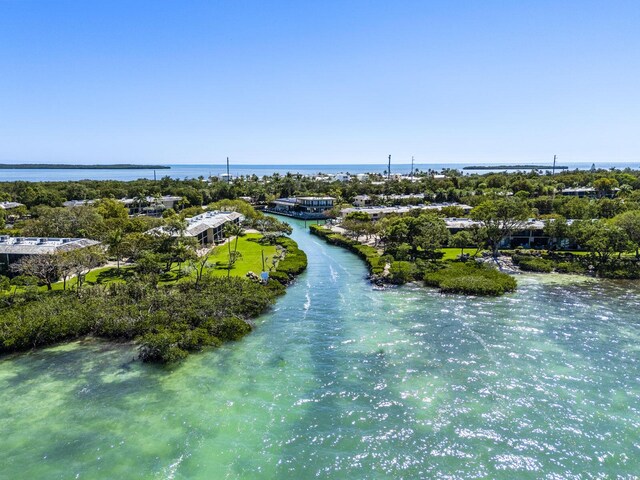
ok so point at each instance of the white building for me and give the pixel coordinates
(207, 228)
(12, 249)
(377, 213)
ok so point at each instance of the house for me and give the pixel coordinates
(531, 235)
(378, 212)
(207, 228)
(302, 207)
(588, 192)
(368, 200)
(77, 203)
(12, 249)
(342, 177)
(152, 206)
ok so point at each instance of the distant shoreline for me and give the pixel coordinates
(63, 166)
(515, 167)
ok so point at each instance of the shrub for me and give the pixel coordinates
(294, 262)
(570, 267)
(535, 264)
(401, 272)
(470, 278)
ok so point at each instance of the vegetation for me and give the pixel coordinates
(166, 322)
(471, 278)
(172, 297)
(530, 263)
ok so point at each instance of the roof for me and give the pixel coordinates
(315, 198)
(402, 209)
(41, 246)
(9, 205)
(200, 223)
(78, 203)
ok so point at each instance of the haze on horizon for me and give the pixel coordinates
(284, 82)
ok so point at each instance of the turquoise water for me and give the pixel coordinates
(344, 381)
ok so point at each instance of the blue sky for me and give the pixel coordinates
(319, 82)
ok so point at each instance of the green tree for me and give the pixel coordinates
(461, 240)
(556, 228)
(629, 222)
(501, 218)
(602, 238)
(115, 245)
(232, 230)
(111, 208)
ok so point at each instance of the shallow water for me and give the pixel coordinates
(343, 381)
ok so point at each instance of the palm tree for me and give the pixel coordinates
(115, 240)
(139, 200)
(230, 230)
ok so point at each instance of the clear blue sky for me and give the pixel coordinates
(319, 82)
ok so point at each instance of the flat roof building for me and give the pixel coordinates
(302, 207)
(377, 213)
(12, 249)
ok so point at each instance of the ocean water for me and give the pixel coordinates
(342, 381)
(181, 171)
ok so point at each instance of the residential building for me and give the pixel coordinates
(12, 249)
(378, 212)
(302, 207)
(147, 205)
(369, 200)
(531, 235)
(588, 192)
(78, 203)
(207, 228)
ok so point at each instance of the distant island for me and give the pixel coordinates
(515, 167)
(64, 166)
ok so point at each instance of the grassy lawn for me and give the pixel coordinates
(251, 260)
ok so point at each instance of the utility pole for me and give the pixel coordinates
(412, 168)
(553, 171)
(228, 177)
(389, 169)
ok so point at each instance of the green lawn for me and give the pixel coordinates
(251, 260)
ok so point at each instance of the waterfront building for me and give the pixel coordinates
(302, 207)
(531, 235)
(207, 228)
(378, 212)
(12, 249)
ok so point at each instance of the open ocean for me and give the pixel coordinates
(195, 171)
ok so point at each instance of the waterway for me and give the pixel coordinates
(342, 381)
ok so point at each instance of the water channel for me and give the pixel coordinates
(340, 380)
